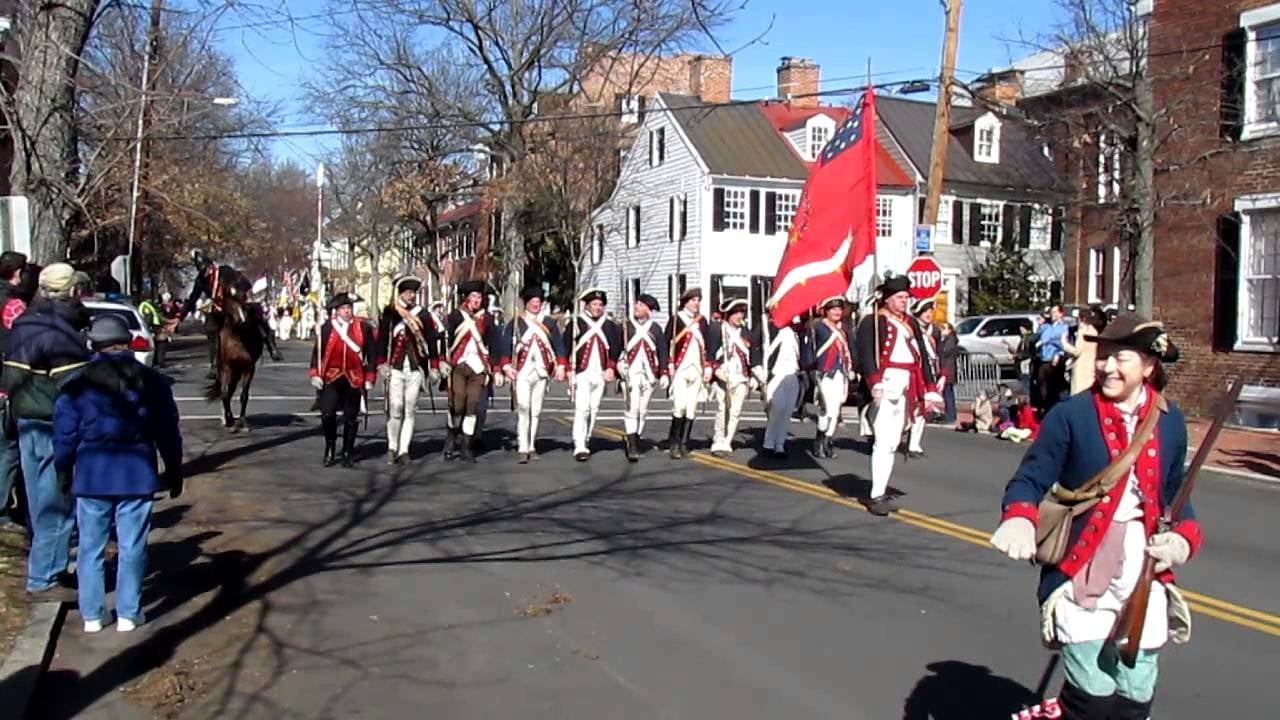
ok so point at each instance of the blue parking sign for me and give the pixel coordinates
(924, 238)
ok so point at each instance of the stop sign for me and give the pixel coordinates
(926, 277)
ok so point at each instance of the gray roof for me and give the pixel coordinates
(1022, 165)
(735, 139)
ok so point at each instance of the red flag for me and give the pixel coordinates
(833, 236)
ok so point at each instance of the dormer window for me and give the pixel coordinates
(818, 137)
(986, 139)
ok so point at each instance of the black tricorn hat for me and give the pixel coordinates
(649, 301)
(1134, 332)
(593, 294)
(920, 306)
(733, 305)
(472, 286)
(833, 301)
(407, 282)
(531, 292)
(341, 299)
(894, 285)
(690, 294)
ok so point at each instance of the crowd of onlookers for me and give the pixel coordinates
(83, 422)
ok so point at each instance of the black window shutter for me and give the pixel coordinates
(770, 213)
(957, 222)
(920, 211)
(637, 212)
(975, 223)
(662, 145)
(1226, 282)
(650, 148)
(642, 102)
(717, 209)
(684, 216)
(671, 295)
(1006, 227)
(1231, 109)
(753, 212)
(671, 218)
(1055, 291)
(1024, 226)
(1055, 233)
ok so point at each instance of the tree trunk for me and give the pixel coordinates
(45, 158)
(1145, 200)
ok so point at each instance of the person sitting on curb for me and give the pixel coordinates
(109, 421)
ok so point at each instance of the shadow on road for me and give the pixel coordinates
(955, 690)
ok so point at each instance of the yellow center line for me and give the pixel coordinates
(1259, 620)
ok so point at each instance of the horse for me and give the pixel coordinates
(240, 346)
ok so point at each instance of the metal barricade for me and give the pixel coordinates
(974, 372)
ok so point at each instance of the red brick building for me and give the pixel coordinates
(1215, 66)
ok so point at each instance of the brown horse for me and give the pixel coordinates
(239, 347)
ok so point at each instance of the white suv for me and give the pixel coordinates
(142, 345)
(997, 335)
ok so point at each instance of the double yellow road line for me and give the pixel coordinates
(1259, 620)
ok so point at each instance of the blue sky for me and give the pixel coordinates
(901, 38)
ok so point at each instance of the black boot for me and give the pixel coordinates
(1079, 705)
(630, 448)
(1125, 709)
(330, 425)
(450, 444)
(677, 434)
(819, 449)
(827, 448)
(685, 431)
(349, 430)
(468, 454)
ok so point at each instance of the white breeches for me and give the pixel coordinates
(782, 392)
(832, 391)
(531, 388)
(402, 398)
(890, 416)
(917, 434)
(686, 388)
(639, 392)
(733, 396)
(588, 388)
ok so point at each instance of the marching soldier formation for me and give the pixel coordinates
(469, 352)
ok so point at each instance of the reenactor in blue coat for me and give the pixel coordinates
(737, 361)
(596, 344)
(642, 367)
(831, 371)
(690, 368)
(1082, 590)
(533, 353)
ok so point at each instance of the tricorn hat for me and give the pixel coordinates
(833, 301)
(593, 294)
(407, 282)
(435, 304)
(472, 286)
(894, 285)
(531, 292)
(648, 300)
(341, 299)
(1134, 332)
(690, 294)
(731, 306)
(921, 306)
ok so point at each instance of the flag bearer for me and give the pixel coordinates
(784, 352)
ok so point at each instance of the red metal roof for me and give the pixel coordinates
(786, 117)
(461, 212)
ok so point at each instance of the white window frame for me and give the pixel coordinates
(737, 206)
(633, 225)
(629, 112)
(996, 225)
(1115, 275)
(819, 136)
(785, 205)
(1251, 21)
(942, 228)
(1097, 270)
(1041, 227)
(1109, 159)
(986, 150)
(1248, 206)
(597, 244)
(884, 216)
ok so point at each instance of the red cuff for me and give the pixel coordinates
(874, 379)
(1192, 532)
(1022, 509)
(562, 362)
(380, 361)
(312, 372)
(503, 362)
(611, 366)
(370, 377)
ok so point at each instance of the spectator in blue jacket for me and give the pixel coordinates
(109, 422)
(44, 345)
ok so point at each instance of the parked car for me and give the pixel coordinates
(997, 335)
(142, 345)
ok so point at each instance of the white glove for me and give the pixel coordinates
(368, 387)
(753, 385)
(384, 371)
(762, 378)
(622, 369)
(317, 383)
(499, 380)
(1016, 537)
(664, 382)
(1169, 549)
(445, 369)
(721, 374)
(433, 376)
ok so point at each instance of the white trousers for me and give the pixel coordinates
(781, 392)
(733, 395)
(917, 435)
(531, 388)
(588, 388)
(639, 392)
(891, 413)
(832, 391)
(686, 387)
(402, 396)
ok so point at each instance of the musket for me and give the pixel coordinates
(515, 329)
(1126, 634)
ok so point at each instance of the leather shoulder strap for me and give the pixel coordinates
(1106, 478)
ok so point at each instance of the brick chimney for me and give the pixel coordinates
(1003, 87)
(710, 77)
(798, 76)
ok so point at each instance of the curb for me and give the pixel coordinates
(29, 658)
(1245, 474)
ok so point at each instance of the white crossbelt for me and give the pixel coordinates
(467, 328)
(534, 330)
(342, 328)
(595, 328)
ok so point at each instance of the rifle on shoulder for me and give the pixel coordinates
(1126, 634)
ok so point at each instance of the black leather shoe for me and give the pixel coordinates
(451, 445)
(819, 448)
(673, 442)
(630, 448)
(330, 457)
(880, 506)
(582, 456)
(466, 455)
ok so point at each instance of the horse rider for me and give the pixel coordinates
(342, 375)
(407, 345)
(642, 366)
(737, 361)
(217, 281)
(784, 351)
(472, 335)
(532, 353)
(831, 371)
(597, 344)
(897, 373)
(689, 368)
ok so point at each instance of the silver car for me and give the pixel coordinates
(997, 335)
(143, 344)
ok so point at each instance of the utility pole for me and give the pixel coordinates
(317, 285)
(142, 148)
(942, 118)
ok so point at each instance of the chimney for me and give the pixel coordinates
(798, 76)
(1004, 88)
(710, 77)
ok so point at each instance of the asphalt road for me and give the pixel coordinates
(707, 588)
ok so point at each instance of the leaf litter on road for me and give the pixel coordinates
(552, 602)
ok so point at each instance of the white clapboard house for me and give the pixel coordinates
(706, 196)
